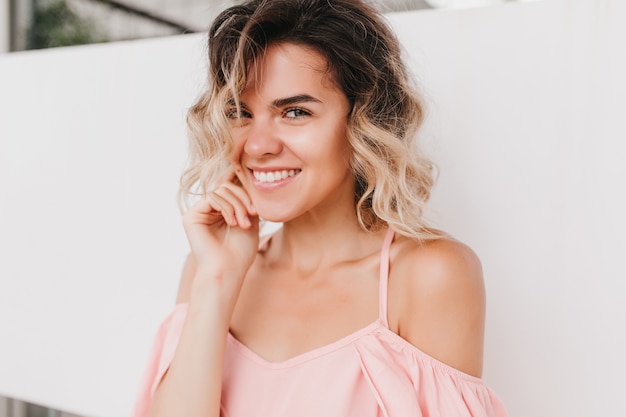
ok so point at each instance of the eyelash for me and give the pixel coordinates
(301, 113)
(233, 114)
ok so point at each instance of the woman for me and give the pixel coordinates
(354, 307)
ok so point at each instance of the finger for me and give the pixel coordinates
(230, 179)
(243, 195)
(239, 171)
(234, 198)
(229, 175)
(210, 209)
(225, 207)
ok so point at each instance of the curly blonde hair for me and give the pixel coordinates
(393, 179)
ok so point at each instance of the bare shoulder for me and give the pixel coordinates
(443, 262)
(437, 300)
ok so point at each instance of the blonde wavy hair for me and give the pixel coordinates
(393, 179)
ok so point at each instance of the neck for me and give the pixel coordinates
(322, 240)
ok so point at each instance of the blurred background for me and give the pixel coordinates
(38, 24)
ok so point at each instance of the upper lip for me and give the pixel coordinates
(272, 169)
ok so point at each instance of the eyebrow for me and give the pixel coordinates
(300, 98)
(282, 102)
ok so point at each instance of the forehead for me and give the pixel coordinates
(288, 66)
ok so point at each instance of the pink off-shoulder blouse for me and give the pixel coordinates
(372, 372)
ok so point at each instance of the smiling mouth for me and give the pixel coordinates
(274, 176)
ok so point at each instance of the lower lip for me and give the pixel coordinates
(269, 186)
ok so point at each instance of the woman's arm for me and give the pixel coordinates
(192, 385)
(223, 233)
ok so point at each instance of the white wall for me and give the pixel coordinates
(92, 141)
(526, 124)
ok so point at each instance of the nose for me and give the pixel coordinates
(262, 139)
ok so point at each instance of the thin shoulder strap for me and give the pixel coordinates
(384, 277)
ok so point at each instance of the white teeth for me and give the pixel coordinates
(275, 175)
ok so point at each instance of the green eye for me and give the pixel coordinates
(296, 113)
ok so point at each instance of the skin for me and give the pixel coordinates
(316, 280)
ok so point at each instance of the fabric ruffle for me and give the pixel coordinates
(419, 385)
(405, 381)
(161, 355)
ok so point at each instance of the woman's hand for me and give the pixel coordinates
(223, 229)
(223, 232)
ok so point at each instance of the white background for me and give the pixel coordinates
(526, 122)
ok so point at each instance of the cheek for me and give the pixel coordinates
(342, 147)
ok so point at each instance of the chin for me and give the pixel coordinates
(275, 218)
(276, 214)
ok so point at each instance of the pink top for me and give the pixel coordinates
(372, 372)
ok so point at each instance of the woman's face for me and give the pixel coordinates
(291, 151)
